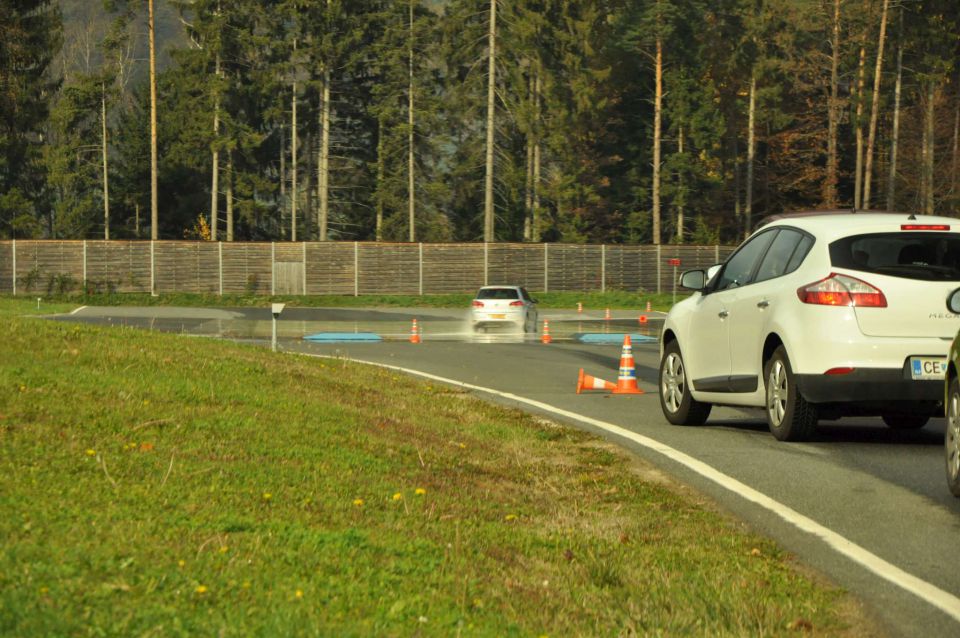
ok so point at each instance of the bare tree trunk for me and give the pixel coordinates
(681, 193)
(956, 148)
(535, 182)
(858, 173)
(154, 217)
(230, 196)
(657, 116)
(895, 132)
(381, 176)
(411, 193)
(833, 113)
(488, 232)
(875, 105)
(528, 192)
(294, 193)
(283, 174)
(215, 172)
(929, 137)
(751, 153)
(323, 170)
(106, 177)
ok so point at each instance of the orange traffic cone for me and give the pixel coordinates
(648, 306)
(545, 337)
(414, 333)
(579, 307)
(586, 382)
(627, 379)
(606, 315)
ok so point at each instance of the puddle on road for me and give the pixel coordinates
(431, 328)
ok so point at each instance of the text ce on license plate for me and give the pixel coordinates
(922, 368)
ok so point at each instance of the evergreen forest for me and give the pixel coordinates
(613, 121)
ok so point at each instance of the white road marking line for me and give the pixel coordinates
(942, 600)
(77, 310)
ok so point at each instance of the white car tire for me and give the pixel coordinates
(951, 441)
(789, 416)
(678, 405)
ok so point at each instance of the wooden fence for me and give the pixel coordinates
(347, 268)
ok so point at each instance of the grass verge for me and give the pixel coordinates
(160, 485)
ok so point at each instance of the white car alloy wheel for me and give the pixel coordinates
(777, 393)
(673, 382)
(678, 405)
(952, 438)
(789, 415)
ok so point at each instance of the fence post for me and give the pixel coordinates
(84, 286)
(220, 255)
(603, 268)
(546, 267)
(421, 269)
(304, 268)
(273, 268)
(153, 271)
(716, 254)
(659, 274)
(485, 263)
(14, 267)
(356, 269)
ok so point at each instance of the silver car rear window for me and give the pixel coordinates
(929, 256)
(498, 293)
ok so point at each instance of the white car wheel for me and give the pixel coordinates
(679, 407)
(952, 438)
(789, 415)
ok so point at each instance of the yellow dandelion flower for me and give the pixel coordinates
(201, 589)
(91, 452)
(299, 593)
(267, 496)
(398, 496)
(420, 491)
(181, 563)
(44, 590)
(358, 502)
(246, 584)
(23, 388)
(463, 446)
(510, 517)
(224, 549)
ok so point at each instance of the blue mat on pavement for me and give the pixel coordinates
(338, 337)
(611, 338)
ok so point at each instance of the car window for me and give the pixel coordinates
(740, 266)
(525, 295)
(800, 253)
(498, 293)
(930, 256)
(777, 259)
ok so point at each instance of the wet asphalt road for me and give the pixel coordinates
(880, 489)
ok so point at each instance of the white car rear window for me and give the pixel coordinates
(498, 293)
(928, 256)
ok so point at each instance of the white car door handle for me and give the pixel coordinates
(723, 314)
(763, 304)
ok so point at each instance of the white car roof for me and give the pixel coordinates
(830, 226)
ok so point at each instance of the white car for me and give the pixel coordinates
(499, 306)
(818, 316)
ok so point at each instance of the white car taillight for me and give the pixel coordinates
(842, 290)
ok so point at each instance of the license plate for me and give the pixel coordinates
(498, 316)
(922, 368)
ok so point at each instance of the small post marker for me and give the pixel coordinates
(275, 310)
